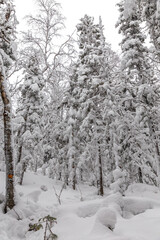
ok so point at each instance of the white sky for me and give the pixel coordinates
(73, 10)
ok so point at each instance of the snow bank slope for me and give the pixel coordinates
(113, 217)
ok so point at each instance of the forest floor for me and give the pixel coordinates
(82, 214)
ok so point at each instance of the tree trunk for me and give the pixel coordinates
(66, 175)
(8, 145)
(35, 165)
(140, 177)
(101, 192)
(24, 166)
(19, 154)
(81, 175)
(73, 176)
(20, 150)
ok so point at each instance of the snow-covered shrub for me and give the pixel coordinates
(47, 223)
(106, 217)
(119, 184)
(53, 168)
(44, 167)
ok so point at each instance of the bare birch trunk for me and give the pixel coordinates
(8, 147)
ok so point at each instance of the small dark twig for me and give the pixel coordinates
(18, 217)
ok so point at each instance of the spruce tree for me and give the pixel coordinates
(152, 18)
(87, 141)
(30, 114)
(137, 148)
(91, 77)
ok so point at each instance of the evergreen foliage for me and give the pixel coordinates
(30, 116)
(87, 115)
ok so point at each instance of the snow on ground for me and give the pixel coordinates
(133, 217)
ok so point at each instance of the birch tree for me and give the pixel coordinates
(56, 55)
(7, 48)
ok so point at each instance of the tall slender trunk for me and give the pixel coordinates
(20, 150)
(24, 166)
(8, 145)
(66, 175)
(101, 191)
(19, 154)
(73, 176)
(140, 177)
(73, 162)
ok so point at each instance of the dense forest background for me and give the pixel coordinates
(76, 109)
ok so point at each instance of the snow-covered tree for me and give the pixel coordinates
(7, 54)
(85, 99)
(73, 119)
(84, 134)
(152, 18)
(30, 117)
(136, 146)
(44, 35)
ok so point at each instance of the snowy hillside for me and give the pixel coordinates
(80, 123)
(82, 214)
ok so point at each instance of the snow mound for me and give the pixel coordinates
(114, 201)
(106, 217)
(87, 210)
(113, 198)
(135, 205)
(34, 196)
(10, 228)
(144, 191)
(44, 188)
(141, 188)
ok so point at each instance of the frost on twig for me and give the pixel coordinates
(59, 195)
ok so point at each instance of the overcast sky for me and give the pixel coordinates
(73, 10)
